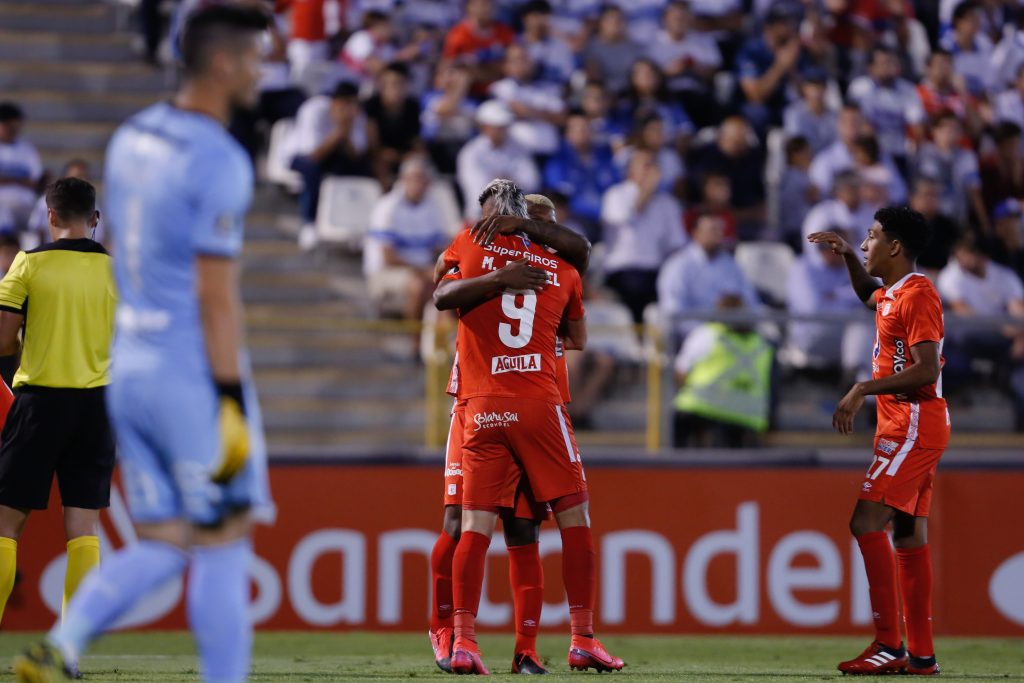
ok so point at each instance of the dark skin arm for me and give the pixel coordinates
(569, 245)
(10, 326)
(924, 371)
(464, 294)
(863, 284)
(574, 334)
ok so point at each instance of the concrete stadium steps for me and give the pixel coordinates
(83, 77)
(62, 106)
(318, 414)
(370, 382)
(70, 134)
(65, 16)
(37, 45)
(300, 440)
(54, 158)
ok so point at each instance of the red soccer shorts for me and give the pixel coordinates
(503, 436)
(524, 503)
(901, 475)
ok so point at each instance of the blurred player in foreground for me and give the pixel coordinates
(521, 523)
(181, 400)
(913, 431)
(516, 424)
(58, 424)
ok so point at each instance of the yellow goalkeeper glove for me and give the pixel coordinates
(234, 434)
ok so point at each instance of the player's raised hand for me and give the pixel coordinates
(484, 231)
(840, 247)
(234, 434)
(842, 419)
(521, 275)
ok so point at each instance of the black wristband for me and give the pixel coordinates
(232, 390)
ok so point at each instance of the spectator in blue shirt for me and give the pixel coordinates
(582, 171)
(765, 66)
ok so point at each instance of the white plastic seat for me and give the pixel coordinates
(766, 265)
(343, 214)
(279, 157)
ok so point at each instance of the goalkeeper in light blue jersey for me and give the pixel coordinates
(181, 401)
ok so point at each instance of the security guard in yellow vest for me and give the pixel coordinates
(725, 374)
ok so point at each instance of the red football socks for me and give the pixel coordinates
(441, 579)
(468, 581)
(526, 575)
(880, 564)
(916, 586)
(579, 572)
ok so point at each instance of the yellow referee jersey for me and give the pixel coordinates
(65, 290)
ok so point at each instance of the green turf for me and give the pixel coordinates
(158, 657)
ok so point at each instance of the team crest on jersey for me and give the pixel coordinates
(886, 308)
(528, 363)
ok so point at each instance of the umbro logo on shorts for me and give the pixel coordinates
(527, 363)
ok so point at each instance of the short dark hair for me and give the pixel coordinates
(795, 145)
(71, 199)
(400, 68)
(906, 225)
(881, 50)
(374, 17)
(939, 52)
(210, 26)
(345, 90)
(9, 111)
(963, 9)
(536, 7)
(1006, 130)
(869, 144)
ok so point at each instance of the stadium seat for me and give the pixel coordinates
(441, 191)
(766, 265)
(279, 156)
(610, 327)
(343, 215)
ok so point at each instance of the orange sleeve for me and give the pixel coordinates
(922, 315)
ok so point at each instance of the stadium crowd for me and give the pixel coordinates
(673, 134)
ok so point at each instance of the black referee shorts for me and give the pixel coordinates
(57, 431)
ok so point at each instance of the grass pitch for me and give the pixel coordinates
(292, 657)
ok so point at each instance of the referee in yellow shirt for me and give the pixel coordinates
(62, 295)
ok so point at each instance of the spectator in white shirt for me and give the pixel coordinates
(329, 138)
(20, 166)
(838, 156)
(972, 285)
(642, 226)
(845, 211)
(369, 50)
(555, 61)
(689, 60)
(971, 49)
(1009, 104)
(1007, 57)
(822, 286)
(407, 232)
(538, 107)
(493, 154)
(695, 278)
(889, 103)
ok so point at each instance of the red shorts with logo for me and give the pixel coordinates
(901, 475)
(524, 505)
(505, 435)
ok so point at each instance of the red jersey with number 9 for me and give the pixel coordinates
(506, 346)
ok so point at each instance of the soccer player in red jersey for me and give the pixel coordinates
(913, 431)
(516, 421)
(521, 523)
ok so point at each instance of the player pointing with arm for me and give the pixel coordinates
(186, 418)
(912, 433)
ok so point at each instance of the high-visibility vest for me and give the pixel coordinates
(733, 382)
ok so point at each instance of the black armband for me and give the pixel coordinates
(232, 390)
